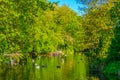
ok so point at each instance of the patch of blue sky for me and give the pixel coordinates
(71, 4)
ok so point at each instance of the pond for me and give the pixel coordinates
(72, 67)
(47, 68)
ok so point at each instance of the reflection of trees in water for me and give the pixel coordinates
(95, 71)
(55, 69)
(67, 68)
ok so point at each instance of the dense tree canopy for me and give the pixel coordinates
(102, 21)
(38, 26)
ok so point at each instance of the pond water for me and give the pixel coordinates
(48, 68)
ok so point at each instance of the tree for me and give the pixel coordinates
(114, 50)
(18, 23)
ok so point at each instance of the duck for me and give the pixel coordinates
(44, 66)
(58, 66)
(37, 67)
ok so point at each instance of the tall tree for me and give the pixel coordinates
(114, 50)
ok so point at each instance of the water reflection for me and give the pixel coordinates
(45, 68)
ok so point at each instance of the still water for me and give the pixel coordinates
(48, 68)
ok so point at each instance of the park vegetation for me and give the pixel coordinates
(38, 27)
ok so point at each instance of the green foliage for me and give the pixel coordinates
(19, 29)
(114, 13)
(101, 26)
(37, 26)
(104, 29)
(112, 70)
(98, 30)
(114, 49)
